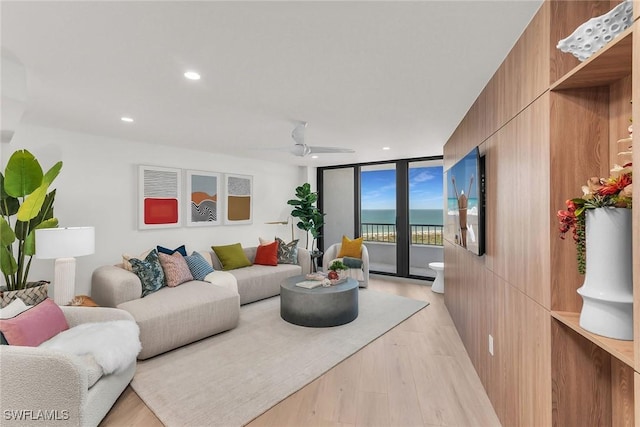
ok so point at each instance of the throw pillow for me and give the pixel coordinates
(231, 256)
(149, 271)
(126, 257)
(198, 266)
(267, 254)
(287, 252)
(180, 249)
(34, 326)
(351, 248)
(175, 268)
(265, 241)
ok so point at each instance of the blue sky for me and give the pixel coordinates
(378, 188)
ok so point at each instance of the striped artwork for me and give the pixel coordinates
(159, 190)
(203, 189)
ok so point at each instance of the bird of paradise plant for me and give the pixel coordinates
(24, 194)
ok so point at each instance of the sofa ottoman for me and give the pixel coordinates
(170, 317)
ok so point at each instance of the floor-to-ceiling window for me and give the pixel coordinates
(425, 215)
(396, 206)
(378, 215)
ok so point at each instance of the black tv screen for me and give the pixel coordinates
(465, 202)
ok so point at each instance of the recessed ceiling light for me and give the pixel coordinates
(386, 148)
(192, 75)
(314, 157)
(126, 119)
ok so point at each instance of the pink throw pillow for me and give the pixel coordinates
(176, 270)
(34, 326)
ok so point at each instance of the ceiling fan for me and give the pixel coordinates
(301, 149)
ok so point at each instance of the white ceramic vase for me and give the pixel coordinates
(607, 292)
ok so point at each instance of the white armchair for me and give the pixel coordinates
(332, 253)
(41, 386)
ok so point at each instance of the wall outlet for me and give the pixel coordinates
(490, 344)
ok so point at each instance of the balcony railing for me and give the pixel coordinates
(421, 234)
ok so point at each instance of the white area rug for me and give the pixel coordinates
(231, 378)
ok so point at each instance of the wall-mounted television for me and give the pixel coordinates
(465, 202)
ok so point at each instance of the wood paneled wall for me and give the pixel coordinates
(530, 136)
(525, 70)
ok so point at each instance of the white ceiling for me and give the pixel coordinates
(363, 74)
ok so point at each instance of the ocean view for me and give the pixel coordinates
(416, 216)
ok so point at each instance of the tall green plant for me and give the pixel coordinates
(23, 194)
(310, 219)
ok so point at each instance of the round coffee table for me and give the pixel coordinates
(319, 307)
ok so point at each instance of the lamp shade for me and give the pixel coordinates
(64, 242)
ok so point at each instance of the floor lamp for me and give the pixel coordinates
(284, 223)
(63, 244)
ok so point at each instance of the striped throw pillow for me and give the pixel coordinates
(198, 265)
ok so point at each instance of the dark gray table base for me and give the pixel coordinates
(319, 307)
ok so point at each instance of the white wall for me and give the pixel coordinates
(98, 186)
(338, 204)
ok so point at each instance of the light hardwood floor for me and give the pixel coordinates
(417, 374)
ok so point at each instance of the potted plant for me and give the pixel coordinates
(310, 219)
(613, 192)
(25, 206)
(335, 270)
(600, 222)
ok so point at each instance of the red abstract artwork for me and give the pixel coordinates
(160, 211)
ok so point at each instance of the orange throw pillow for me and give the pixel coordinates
(351, 248)
(267, 254)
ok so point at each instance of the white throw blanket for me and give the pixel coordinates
(114, 344)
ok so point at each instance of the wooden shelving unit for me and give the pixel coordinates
(622, 350)
(589, 111)
(611, 63)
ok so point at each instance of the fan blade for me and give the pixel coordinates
(320, 150)
(298, 133)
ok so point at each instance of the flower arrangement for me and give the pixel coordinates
(615, 191)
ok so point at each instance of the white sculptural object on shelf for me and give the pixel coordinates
(597, 32)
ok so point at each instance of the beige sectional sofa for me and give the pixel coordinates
(57, 383)
(172, 317)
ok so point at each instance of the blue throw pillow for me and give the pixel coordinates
(198, 265)
(149, 271)
(180, 249)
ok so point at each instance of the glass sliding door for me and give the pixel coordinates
(425, 216)
(396, 206)
(378, 215)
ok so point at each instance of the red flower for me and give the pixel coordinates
(615, 191)
(614, 186)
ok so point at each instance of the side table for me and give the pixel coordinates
(438, 284)
(314, 260)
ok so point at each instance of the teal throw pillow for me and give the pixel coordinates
(149, 271)
(287, 252)
(231, 256)
(198, 265)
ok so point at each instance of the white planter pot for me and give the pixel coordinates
(607, 292)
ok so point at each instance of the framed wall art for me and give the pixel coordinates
(159, 193)
(204, 204)
(239, 197)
